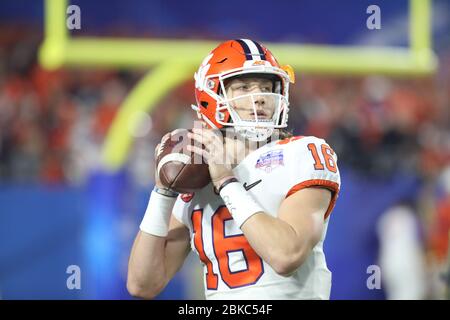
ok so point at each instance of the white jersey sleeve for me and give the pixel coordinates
(311, 162)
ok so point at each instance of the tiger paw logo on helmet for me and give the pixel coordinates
(239, 59)
(200, 75)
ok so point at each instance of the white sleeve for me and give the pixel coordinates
(312, 163)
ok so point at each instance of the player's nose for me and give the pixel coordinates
(260, 100)
(259, 108)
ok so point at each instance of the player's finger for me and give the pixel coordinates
(212, 142)
(165, 137)
(199, 152)
(158, 150)
(176, 134)
(216, 138)
(198, 137)
(212, 136)
(177, 131)
(209, 136)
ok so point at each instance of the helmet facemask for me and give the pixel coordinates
(265, 111)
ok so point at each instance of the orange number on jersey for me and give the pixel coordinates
(223, 245)
(211, 277)
(317, 163)
(327, 155)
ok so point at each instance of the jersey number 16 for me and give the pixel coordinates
(222, 246)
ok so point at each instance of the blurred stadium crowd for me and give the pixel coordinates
(53, 124)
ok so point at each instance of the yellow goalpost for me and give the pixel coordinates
(169, 69)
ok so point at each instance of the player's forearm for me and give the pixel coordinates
(146, 267)
(273, 239)
(277, 243)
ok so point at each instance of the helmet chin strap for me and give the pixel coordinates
(250, 131)
(254, 134)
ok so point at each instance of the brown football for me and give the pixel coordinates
(179, 169)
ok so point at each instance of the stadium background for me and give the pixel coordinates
(60, 205)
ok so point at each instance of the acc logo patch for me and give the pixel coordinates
(270, 160)
(259, 63)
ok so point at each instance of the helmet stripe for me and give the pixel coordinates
(255, 54)
(260, 50)
(247, 52)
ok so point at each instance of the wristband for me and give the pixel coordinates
(166, 192)
(239, 202)
(157, 216)
(227, 181)
(221, 182)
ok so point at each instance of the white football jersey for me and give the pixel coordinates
(273, 172)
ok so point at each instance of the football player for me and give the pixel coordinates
(259, 226)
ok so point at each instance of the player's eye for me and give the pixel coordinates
(239, 86)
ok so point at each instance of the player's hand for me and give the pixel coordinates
(158, 150)
(215, 153)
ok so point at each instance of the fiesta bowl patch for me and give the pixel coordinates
(270, 160)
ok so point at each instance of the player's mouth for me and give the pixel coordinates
(260, 114)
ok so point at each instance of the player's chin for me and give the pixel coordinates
(260, 118)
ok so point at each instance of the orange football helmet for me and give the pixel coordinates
(238, 58)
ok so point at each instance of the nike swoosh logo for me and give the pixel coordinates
(248, 187)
